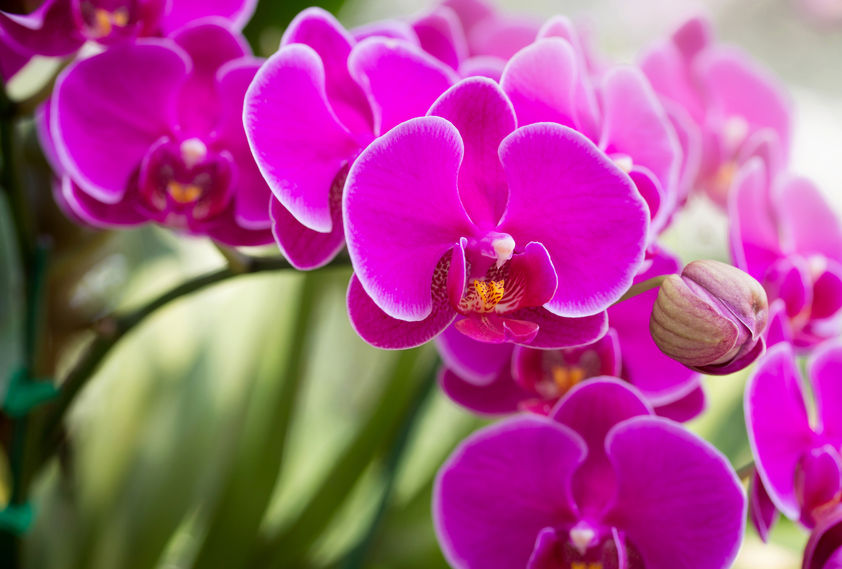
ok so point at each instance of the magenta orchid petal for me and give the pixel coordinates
(502, 37)
(496, 329)
(394, 29)
(501, 487)
(183, 12)
(825, 371)
(560, 26)
(483, 66)
(501, 396)
(543, 82)
(226, 230)
(440, 34)
(478, 363)
(561, 332)
(96, 213)
(470, 12)
(592, 409)
(690, 140)
(824, 548)
(808, 222)
(778, 427)
(761, 511)
(685, 407)
(667, 70)
(636, 124)
(779, 329)
(252, 193)
(691, 519)
(209, 47)
(482, 113)
(789, 280)
(744, 89)
(586, 193)
(304, 248)
(49, 30)
(381, 330)
(818, 483)
(319, 30)
(827, 292)
(296, 139)
(401, 80)
(103, 122)
(12, 58)
(653, 194)
(402, 213)
(754, 233)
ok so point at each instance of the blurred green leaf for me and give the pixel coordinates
(241, 506)
(293, 543)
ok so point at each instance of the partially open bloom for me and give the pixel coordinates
(729, 98)
(60, 27)
(711, 318)
(798, 452)
(458, 215)
(152, 131)
(312, 108)
(786, 235)
(601, 483)
(500, 379)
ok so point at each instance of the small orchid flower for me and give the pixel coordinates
(600, 483)
(798, 454)
(152, 132)
(550, 81)
(312, 108)
(494, 379)
(784, 234)
(60, 27)
(460, 216)
(728, 97)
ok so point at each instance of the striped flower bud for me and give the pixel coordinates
(710, 318)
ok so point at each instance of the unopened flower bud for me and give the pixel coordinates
(710, 318)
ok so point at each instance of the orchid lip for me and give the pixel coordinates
(184, 181)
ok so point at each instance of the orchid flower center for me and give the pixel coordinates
(560, 380)
(186, 180)
(100, 19)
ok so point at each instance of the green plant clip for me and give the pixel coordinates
(17, 518)
(24, 393)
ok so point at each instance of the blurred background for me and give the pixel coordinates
(248, 426)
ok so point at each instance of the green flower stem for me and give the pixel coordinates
(746, 471)
(111, 329)
(642, 287)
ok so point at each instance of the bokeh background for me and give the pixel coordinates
(248, 426)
